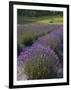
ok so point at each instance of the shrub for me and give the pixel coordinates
(50, 21)
(39, 62)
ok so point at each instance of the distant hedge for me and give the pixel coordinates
(37, 13)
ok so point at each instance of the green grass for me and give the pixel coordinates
(44, 20)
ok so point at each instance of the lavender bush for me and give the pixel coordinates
(39, 62)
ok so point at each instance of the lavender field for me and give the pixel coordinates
(40, 46)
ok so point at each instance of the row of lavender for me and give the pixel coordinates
(44, 59)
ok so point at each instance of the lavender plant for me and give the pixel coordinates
(38, 62)
(54, 40)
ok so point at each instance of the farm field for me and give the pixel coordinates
(40, 47)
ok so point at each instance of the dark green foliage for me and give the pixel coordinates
(38, 13)
(51, 21)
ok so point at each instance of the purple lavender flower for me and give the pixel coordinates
(35, 57)
(54, 40)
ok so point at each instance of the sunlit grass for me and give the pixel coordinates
(51, 20)
(44, 20)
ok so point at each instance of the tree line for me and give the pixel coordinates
(37, 13)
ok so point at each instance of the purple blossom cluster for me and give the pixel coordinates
(36, 49)
(38, 53)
